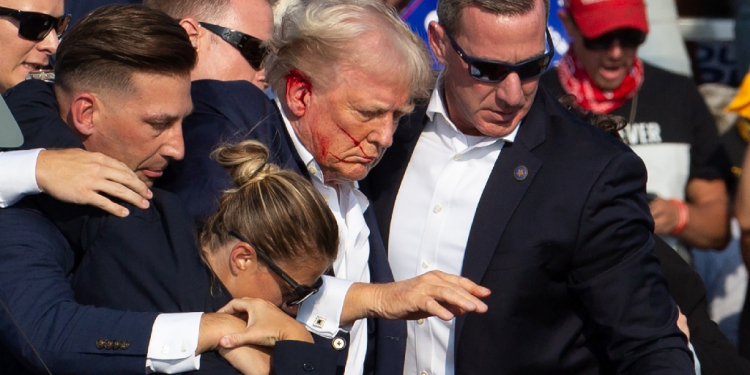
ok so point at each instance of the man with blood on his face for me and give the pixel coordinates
(344, 73)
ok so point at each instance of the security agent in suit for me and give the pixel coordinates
(559, 228)
(76, 338)
(231, 111)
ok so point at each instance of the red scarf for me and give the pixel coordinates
(576, 81)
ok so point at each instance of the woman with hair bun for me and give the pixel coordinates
(267, 246)
(270, 213)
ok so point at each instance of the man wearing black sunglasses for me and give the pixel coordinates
(670, 127)
(496, 181)
(229, 35)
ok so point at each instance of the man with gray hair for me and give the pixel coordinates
(497, 181)
(345, 72)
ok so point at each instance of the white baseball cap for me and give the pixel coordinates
(10, 134)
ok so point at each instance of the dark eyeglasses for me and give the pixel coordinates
(251, 48)
(495, 71)
(628, 38)
(36, 26)
(301, 292)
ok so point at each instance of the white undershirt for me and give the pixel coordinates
(431, 220)
(348, 205)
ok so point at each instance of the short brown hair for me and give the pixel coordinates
(277, 210)
(108, 45)
(449, 11)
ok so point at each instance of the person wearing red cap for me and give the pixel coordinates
(670, 127)
(496, 180)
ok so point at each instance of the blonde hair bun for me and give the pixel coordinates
(247, 161)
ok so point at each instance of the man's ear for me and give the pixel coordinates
(242, 258)
(438, 40)
(84, 112)
(193, 29)
(298, 92)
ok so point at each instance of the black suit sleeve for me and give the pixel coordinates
(296, 357)
(617, 277)
(43, 315)
(716, 354)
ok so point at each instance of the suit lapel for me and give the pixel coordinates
(503, 192)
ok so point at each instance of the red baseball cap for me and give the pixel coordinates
(595, 18)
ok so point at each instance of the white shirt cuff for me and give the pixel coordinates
(19, 175)
(695, 357)
(174, 339)
(321, 313)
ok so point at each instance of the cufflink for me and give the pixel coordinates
(319, 322)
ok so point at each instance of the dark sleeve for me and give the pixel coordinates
(34, 106)
(617, 277)
(715, 353)
(35, 260)
(708, 158)
(296, 357)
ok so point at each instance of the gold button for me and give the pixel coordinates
(312, 169)
(423, 373)
(420, 321)
(100, 343)
(108, 344)
(115, 345)
(338, 343)
(124, 345)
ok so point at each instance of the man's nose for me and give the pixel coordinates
(382, 134)
(615, 50)
(508, 92)
(49, 44)
(174, 147)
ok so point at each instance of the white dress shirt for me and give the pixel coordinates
(174, 337)
(17, 175)
(431, 220)
(321, 313)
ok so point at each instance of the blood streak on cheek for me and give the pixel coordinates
(357, 143)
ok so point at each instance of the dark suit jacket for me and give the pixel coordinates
(566, 251)
(233, 111)
(716, 354)
(146, 262)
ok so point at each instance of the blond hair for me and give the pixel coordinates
(277, 210)
(318, 37)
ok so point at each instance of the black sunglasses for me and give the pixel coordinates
(36, 26)
(301, 292)
(495, 71)
(628, 38)
(251, 48)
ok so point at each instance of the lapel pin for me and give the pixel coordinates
(520, 173)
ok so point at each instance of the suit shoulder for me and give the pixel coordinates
(568, 132)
